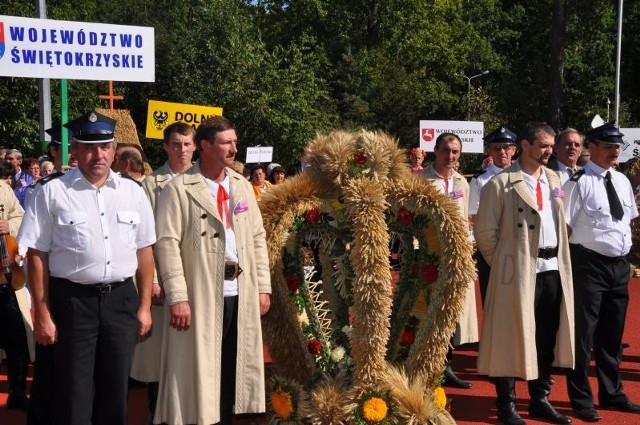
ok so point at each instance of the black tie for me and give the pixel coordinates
(614, 202)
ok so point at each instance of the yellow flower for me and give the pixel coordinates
(281, 403)
(374, 409)
(440, 398)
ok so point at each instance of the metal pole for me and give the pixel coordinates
(485, 72)
(616, 110)
(64, 117)
(44, 90)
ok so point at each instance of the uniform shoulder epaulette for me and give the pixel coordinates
(576, 176)
(479, 173)
(132, 179)
(47, 179)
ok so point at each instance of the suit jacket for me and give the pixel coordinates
(507, 231)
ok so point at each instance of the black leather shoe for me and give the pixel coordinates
(452, 380)
(510, 416)
(625, 406)
(542, 409)
(18, 401)
(588, 415)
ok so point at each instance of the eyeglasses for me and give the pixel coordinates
(34, 169)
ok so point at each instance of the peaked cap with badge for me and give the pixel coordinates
(606, 133)
(501, 135)
(54, 132)
(92, 127)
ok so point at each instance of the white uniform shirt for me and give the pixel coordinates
(587, 211)
(548, 221)
(476, 185)
(91, 235)
(230, 247)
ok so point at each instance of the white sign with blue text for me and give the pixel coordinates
(631, 147)
(46, 48)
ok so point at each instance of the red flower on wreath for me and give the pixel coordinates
(312, 216)
(404, 216)
(314, 347)
(428, 272)
(407, 337)
(360, 158)
(293, 282)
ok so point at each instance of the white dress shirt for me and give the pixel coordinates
(90, 234)
(587, 211)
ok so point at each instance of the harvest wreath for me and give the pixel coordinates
(360, 352)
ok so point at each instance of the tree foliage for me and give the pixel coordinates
(284, 70)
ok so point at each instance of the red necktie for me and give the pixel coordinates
(446, 186)
(539, 195)
(223, 207)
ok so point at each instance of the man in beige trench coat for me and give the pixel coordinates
(528, 324)
(213, 263)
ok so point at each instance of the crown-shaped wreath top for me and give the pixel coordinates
(350, 344)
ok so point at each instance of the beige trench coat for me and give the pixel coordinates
(11, 211)
(190, 253)
(146, 357)
(507, 231)
(467, 326)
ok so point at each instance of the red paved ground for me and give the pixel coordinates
(475, 406)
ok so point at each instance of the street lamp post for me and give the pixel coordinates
(485, 72)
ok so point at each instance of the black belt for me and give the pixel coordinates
(231, 270)
(548, 252)
(103, 288)
(597, 255)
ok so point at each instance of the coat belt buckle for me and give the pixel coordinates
(231, 270)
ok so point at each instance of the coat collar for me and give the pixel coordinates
(522, 189)
(196, 187)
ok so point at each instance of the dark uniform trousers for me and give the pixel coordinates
(229, 354)
(96, 337)
(601, 298)
(41, 400)
(13, 340)
(547, 301)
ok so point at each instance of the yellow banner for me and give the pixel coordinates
(161, 114)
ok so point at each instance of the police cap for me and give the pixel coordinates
(54, 132)
(501, 135)
(606, 133)
(92, 127)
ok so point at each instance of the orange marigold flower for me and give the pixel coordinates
(374, 410)
(440, 398)
(282, 404)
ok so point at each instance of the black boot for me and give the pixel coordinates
(539, 406)
(152, 394)
(17, 376)
(450, 378)
(506, 402)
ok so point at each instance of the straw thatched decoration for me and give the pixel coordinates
(355, 186)
(126, 132)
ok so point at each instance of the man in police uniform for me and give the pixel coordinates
(501, 146)
(88, 232)
(528, 319)
(567, 151)
(599, 206)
